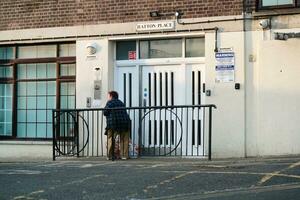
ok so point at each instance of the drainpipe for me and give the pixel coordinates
(245, 75)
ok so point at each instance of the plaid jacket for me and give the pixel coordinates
(117, 120)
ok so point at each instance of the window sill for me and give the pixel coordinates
(276, 11)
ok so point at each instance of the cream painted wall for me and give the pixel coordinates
(278, 97)
(85, 74)
(273, 95)
(252, 85)
(229, 118)
(25, 150)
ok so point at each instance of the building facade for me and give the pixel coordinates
(245, 52)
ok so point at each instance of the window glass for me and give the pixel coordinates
(67, 96)
(67, 70)
(195, 47)
(41, 71)
(38, 51)
(33, 71)
(276, 2)
(7, 53)
(126, 50)
(66, 50)
(35, 99)
(51, 70)
(6, 71)
(6, 109)
(171, 48)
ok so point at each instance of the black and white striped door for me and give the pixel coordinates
(163, 132)
(195, 88)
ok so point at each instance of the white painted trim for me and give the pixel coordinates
(161, 61)
(155, 35)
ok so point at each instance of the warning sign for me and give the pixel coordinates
(224, 67)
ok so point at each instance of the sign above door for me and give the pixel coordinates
(155, 26)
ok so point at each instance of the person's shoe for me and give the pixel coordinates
(124, 158)
(108, 158)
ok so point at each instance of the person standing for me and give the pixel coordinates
(118, 123)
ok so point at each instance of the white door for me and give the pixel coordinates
(162, 86)
(166, 131)
(127, 85)
(194, 142)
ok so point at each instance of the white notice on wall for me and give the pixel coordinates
(224, 67)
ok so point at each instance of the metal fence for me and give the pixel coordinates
(155, 131)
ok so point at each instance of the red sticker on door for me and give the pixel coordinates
(131, 55)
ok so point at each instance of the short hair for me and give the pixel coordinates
(113, 94)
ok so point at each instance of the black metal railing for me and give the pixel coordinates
(155, 131)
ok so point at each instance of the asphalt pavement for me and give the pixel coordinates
(151, 178)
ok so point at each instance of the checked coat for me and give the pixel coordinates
(116, 120)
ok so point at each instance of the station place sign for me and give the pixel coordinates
(156, 26)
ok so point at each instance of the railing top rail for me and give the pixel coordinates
(136, 108)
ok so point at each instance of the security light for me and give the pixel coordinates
(154, 14)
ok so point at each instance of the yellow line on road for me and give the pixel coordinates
(277, 173)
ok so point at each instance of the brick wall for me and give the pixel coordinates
(23, 14)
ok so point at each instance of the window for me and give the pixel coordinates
(171, 48)
(36, 86)
(67, 95)
(66, 50)
(195, 47)
(36, 99)
(6, 71)
(160, 48)
(277, 3)
(67, 70)
(126, 50)
(6, 109)
(7, 53)
(39, 51)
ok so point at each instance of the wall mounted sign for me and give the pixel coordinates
(224, 67)
(156, 26)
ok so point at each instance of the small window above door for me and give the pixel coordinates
(126, 50)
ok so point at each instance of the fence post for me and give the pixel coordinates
(209, 132)
(76, 131)
(53, 136)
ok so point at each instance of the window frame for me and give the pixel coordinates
(295, 4)
(14, 80)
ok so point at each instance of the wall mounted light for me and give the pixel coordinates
(91, 49)
(155, 14)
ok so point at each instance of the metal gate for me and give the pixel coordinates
(155, 131)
